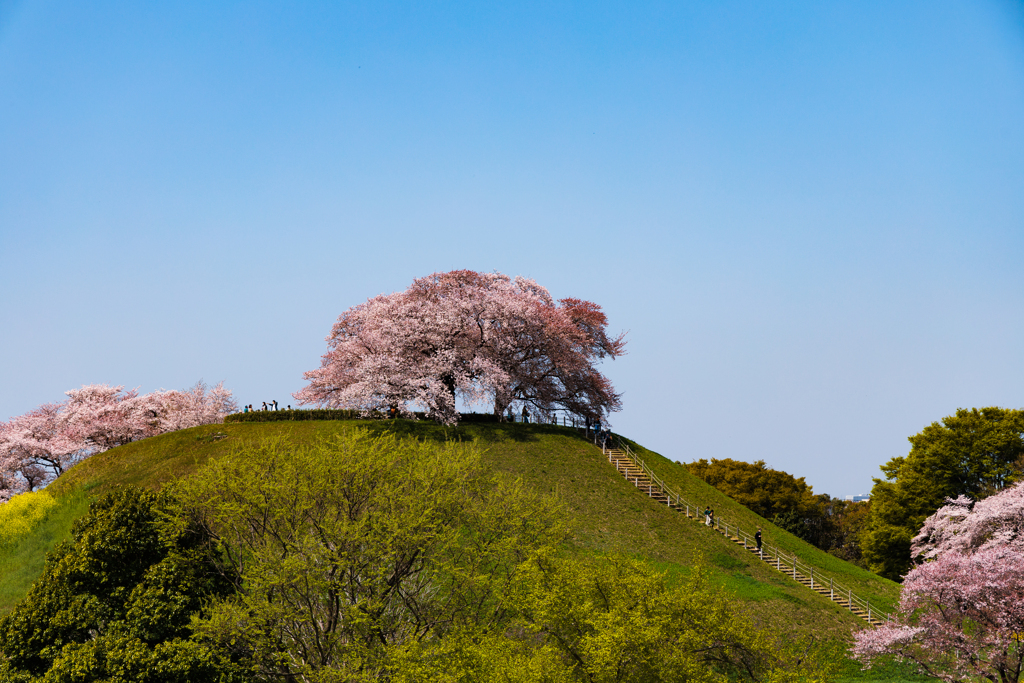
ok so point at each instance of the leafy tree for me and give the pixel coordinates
(485, 336)
(973, 453)
(618, 620)
(961, 614)
(847, 521)
(373, 558)
(114, 604)
(776, 495)
(351, 549)
(757, 487)
(613, 619)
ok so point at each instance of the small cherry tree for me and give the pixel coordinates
(485, 337)
(961, 613)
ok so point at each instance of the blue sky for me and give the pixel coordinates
(808, 216)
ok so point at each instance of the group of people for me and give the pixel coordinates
(266, 406)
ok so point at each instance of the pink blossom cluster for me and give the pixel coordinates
(42, 444)
(961, 613)
(485, 337)
(964, 526)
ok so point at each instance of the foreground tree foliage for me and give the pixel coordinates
(974, 453)
(482, 336)
(346, 550)
(114, 604)
(367, 558)
(961, 614)
(370, 558)
(610, 620)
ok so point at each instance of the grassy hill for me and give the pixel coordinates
(609, 514)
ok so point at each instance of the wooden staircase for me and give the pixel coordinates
(636, 475)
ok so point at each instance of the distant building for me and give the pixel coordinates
(857, 499)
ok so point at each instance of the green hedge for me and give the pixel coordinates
(328, 414)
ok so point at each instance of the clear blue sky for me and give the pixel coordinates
(808, 216)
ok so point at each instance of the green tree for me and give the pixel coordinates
(374, 558)
(757, 487)
(974, 453)
(351, 549)
(615, 620)
(114, 603)
(778, 496)
(847, 521)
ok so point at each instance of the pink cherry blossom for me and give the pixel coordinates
(40, 445)
(485, 337)
(961, 613)
(964, 526)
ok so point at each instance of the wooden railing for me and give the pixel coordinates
(787, 564)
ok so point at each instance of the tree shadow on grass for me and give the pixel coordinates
(485, 433)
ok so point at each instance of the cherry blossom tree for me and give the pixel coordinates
(39, 446)
(99, 417)
(484, 337)
(963, 526)
(42, 444)
(961, 613)
(168, 411)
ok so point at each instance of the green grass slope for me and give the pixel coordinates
(609, 515)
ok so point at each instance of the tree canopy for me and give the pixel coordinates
(114, 604)
(40, 445)
(761, 489)
(372, 558)
(974, 453)
(961, 613)
(485, 337)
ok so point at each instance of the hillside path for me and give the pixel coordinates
(636, 473)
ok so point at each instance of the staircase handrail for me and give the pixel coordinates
(792, 563)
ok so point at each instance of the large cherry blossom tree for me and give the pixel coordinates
(483, 337)
(42, 444)
(961, 614)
